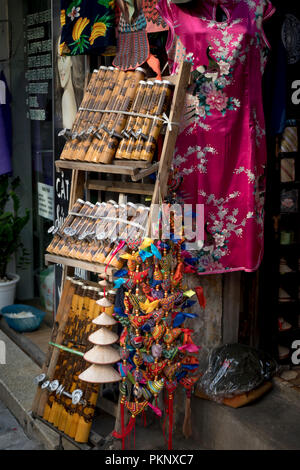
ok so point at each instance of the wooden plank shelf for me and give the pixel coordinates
(76, 263)
(132, 163)
(122, 168)
(146, 172)
(120, 187)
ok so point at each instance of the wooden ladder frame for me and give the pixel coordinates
(137, 170)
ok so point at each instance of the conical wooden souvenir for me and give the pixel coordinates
(104, 302)
(103, 337)
(99, 374)
(102, 355)
(104, 320)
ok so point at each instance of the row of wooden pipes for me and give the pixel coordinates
(91, 232)
(84, 318)
(102, 130)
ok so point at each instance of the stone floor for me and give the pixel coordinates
(12, 436)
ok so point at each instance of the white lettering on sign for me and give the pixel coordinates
(37, 115)
(62, 187)
(60, 216)
(38, 88)
(45, 201)
(36, 33)
(37, 18)
(39, 46)
(35, 61)
(33, 102)
(39, 74)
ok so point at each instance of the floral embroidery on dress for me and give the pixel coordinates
(247, 171)
(222, 223)
(201, 154)
(251, 4)
(212, 97)
(209, 85)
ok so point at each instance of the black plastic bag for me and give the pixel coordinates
(234, 369)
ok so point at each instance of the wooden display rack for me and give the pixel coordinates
(80, 181)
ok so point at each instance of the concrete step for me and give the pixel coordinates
(12, 436)
(271, 423)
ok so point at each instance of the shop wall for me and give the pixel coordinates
(4, 39)
(208, 325)
(218, 323)
(21, 136)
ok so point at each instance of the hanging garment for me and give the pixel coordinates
(5, 127)
(136, 19)
(87, 26)
(133, 46)
(220, 150)
(155, 23)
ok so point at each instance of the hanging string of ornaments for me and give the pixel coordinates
(158, 353)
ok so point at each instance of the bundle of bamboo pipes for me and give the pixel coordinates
(120, 116)
(92, 232)
(141, 133)
(75, 419)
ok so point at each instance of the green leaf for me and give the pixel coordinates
(11, 224)
(105, 3)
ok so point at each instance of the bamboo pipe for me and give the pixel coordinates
(117, 123)
(162, 107)
(95, 115)
(130, 122)
(67, 150)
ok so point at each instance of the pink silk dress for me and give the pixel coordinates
(221, 149)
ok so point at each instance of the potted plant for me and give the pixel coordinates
(11, 226)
